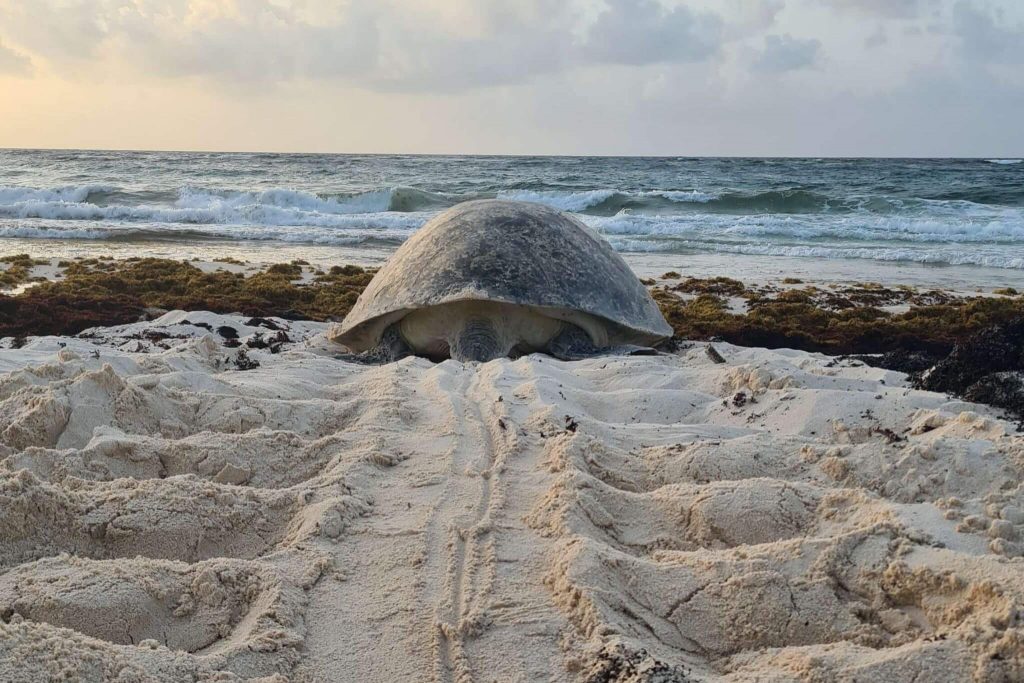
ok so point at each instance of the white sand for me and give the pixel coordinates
(165, 516)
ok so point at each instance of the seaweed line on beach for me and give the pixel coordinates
(900, 328)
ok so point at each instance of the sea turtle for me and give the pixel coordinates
(491, 278)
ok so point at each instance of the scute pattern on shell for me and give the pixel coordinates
(514, 252)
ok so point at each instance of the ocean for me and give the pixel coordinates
(826, 215)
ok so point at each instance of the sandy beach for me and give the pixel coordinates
(178, 504)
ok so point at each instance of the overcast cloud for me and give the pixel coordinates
(786, 53)
(12, 62)
(890, 8)
(547, 76)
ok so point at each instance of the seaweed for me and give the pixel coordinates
(985, 367)
(813, 319)
(95, 292)
(972, 347)
(616, 663)
(838, 320)
(19, 270)
(716, 285)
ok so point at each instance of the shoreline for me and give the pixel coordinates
(755, 269)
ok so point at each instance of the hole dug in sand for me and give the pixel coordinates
(681, 517)
(722, 608)
(260, 458)
(37, 410)
(64, 413)
(182, 518)
(183, 607)
(118, 616)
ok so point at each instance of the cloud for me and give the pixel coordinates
(253, 41)
(752, 16)
(899, 9)
(645, 32)
(592, 76)
(14, 63)
(508, 44)
(986, 35)
(877, 39)
(385, 45)
(786, 53)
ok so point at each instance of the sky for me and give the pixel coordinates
(630, 77)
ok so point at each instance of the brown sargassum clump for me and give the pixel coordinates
(840, 320)
(102, 292)
(18, 270)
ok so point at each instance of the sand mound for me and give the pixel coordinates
(178, 504)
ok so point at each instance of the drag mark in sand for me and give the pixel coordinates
(479, 453)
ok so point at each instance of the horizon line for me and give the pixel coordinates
(507, 154)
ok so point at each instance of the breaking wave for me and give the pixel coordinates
(949, 257)
(977, 222)
(70, 193)
(1005, 226)
(566, 201)
(273, 207)
(279, 206)
(356, 232)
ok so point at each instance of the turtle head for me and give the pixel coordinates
(476, 340)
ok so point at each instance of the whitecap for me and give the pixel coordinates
(566, 201)
(68, 193)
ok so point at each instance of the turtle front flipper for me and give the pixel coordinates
(573, 343)
(390, 348)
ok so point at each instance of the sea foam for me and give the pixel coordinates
(70, 193)
(567, 201)
(925, 256)
(195, 206)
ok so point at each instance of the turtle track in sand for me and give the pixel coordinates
(803, 555)
(160, 517)
(777, 517)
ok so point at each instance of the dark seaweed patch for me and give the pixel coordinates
(98, 292)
